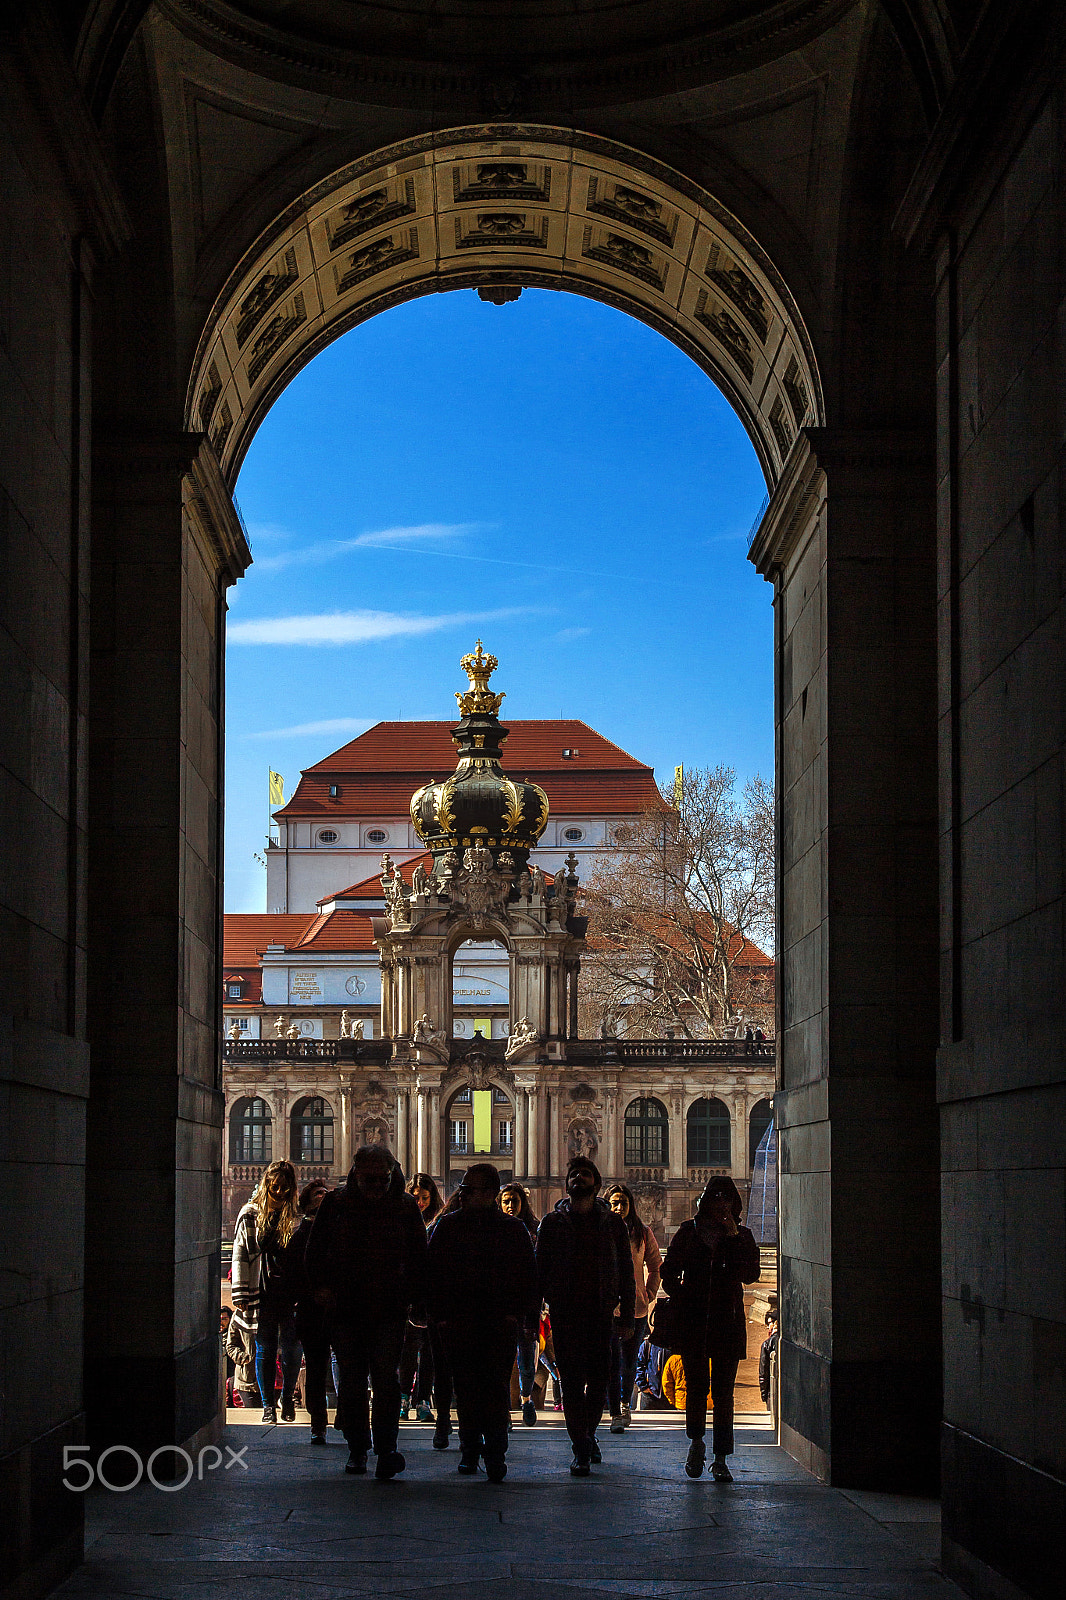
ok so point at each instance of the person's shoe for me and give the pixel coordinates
(557, 1405)
(720, 1472)
(579, 1467)
(318, 1435)
(441, 1435)
(617, 1423)
(424, 1411)
(389, 1464)
(697, 1455)
(529, 1413)
(468, 1463)
(495, 1469)
(627, 1416)
(356, 1462)
(288, 1411)
(595, 1455)
(270, 1415)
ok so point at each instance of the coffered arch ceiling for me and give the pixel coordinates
(498, 209)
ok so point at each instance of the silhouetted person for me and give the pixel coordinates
(482, 1290)
(264, 1273)
(709, 1261)
(366, 1262)
(513, 1201)
(311, 1317)
(585, 1269)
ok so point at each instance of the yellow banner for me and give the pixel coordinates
(277, 789)
(482, 1121)
(679, 787)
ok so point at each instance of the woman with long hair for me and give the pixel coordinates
(417, 1365)
(513, 1201)
(265, 1283)
(647, 1274)
(710, 1259)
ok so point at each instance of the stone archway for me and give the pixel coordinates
(500, 209)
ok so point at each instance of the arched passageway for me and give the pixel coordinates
(890, 161)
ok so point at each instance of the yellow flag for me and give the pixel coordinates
(679, 787)
(277, 789)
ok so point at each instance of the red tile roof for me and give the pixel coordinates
(378, 772)
(246, 935)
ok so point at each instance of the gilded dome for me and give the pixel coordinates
(479, 804)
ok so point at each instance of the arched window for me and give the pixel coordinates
(710, 1142)
(312, 1131)
(646, 1142)
(762, 1114)
(249, 1133)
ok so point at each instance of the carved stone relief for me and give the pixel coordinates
(277, 330)
(796, 389)
(265, 292)
(388, 251)
(370, 210)
(633, 207)
(782, 426)
(582, 1139)
(625, 255)
(209, 396)
(501, 180)
(501, 227)
(726, 329)
(735, 284)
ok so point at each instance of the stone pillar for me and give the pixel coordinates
(401, 1130)
(521, 1124)
(422, 1163)
(575, 971)
(554, 1163)
(848, 541)
(675, 1105)
(436, 1143)
(342, 1155)
(533, 1133)
(738, 1111)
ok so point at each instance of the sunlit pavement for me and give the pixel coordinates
(287, 1523)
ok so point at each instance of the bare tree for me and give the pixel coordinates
(681, 918)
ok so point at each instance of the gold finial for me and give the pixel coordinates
(479, 700)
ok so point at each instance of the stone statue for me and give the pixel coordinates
(235, 1030)
(524, 884)
(293, 1031)
(450, 865)
(388, 868)
(537, 877)
(581, 1140)
(357, 1029)
(521, 1039)
(478, 859)
(346, 1032)
(421, 1030)
(420, 880)
(609, 1028)
(279, 1027)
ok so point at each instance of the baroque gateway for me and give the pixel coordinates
(662, 1113)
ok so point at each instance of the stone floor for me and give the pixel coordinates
(294, 1527)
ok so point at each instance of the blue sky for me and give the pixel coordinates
(550, 475)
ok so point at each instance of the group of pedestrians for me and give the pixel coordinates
(421, 1301)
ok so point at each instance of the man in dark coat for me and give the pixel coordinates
(482, 1292)
(366, 1264)
(709, 1261)
(585, 1268)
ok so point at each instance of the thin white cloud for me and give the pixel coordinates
(357, 627)
(566, 634)
(379, 539)
(328, 726)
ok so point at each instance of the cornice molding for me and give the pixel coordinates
(209, 506)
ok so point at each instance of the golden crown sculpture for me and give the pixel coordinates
(479, 699)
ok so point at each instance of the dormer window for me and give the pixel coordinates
(334, 791)
(571, 754)
(234, 990)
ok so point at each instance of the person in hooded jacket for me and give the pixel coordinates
(366, 1265)
(710, 1259)
(585, 1268)
(482, 1291)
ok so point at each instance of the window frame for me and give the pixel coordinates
(638, 1128)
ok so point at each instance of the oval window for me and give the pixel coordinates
(377, 836)
(327, 836)
(573, 834)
